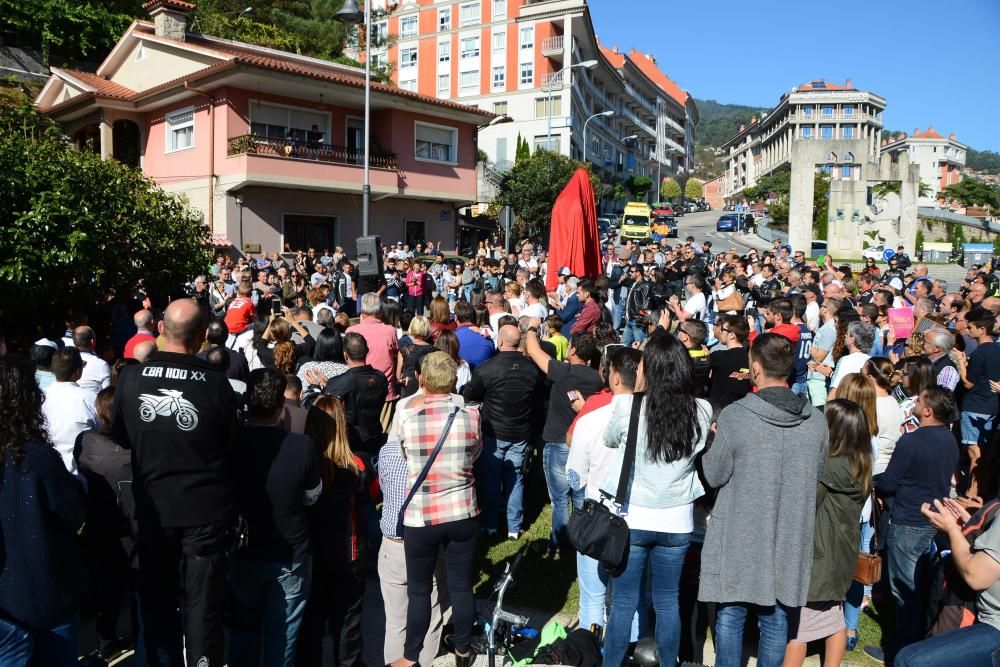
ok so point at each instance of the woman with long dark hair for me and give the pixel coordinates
(338, 539)
(327, 357)
(917, 374)
(673, 428)
(845, 484)
(41, 508)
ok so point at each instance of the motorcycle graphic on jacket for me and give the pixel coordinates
(171, 403)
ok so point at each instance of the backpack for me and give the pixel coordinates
(951, 603)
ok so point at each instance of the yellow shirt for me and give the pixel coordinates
(562, 345)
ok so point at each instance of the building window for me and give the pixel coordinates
(380, 60)
(444, 85)
(408, 26)
(827, 111)
(542, 104)
(470, 47)
(444, 52)
(849, 157)
(807, 112)
(807, 131)
(380, 31)
(848, 110)
(408, 84)
(500, 108)
(499, 77)
(846, 171)
(543, 142)
(180, 130)
(527, 76)
(468, 82)
(435, 143)
(499, 42)
(286, 122)
(499, 9)
(408, 57)
(527, 38)
(444, 19)
(825, 168)
(848, 131)
(468, 14)
(826, 131)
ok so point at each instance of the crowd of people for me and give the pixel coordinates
(223, 476)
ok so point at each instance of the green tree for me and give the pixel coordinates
(778, 182)
(694, 188)
(65, 31)
(973, 192)
(670, 189)
(920, 240)
(76, 227)
(956, 234)
(821, 205)
(638, 186)
(523, 151)
(532, 185)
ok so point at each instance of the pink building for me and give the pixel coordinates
(269, 145)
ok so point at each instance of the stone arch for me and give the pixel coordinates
(849, 157)
(831, 158)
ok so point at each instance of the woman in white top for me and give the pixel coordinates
(659, 506)
(884, 377)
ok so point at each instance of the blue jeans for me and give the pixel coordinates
(503, 477)
(975, 646)
(908, 549)
(665, 554)
(593, 579)
(799, 389)
(52, 647)
(772, 622)
(634, 333)
(977, 429)
(16, 645)
(554, 464)
(857, 591)
(618, 313)
(270, 599)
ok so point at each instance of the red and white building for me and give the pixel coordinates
(504, 56)
(940, 158)
(269, 144)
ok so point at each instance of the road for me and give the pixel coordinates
(702, 227)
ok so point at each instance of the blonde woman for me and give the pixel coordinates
(338, 538)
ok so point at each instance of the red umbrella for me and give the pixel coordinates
(573, 237)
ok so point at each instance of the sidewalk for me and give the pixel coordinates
(752, 241)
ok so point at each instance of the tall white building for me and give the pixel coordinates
(520, 58)
(940, 159)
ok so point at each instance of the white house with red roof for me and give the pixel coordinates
(269, 144)
(940, 158)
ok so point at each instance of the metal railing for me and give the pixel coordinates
(253, 144)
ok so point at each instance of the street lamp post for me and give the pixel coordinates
(238, 200)
(586, 64)
(585, 144)
(352, 15)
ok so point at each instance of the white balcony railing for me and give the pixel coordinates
(553, 45)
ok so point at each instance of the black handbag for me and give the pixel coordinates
(423, 473)
(597, 531)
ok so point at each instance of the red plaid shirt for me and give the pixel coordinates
(449, 492)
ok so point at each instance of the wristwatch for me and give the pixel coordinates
(533, 329)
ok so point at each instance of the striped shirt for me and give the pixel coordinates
(393, 478)
(449, 492)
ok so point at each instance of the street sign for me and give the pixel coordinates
(507, 223)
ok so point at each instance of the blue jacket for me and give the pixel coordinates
(41, 508)
(654, 485)
(569, 313)
(473, 347)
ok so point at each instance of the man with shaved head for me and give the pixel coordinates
(178, 416)
(144, 331)
(508, 386)
(96, 372)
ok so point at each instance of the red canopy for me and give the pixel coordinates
(573, 237)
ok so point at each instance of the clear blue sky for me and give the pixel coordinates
(935, 63)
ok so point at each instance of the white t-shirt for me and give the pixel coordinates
(890, 418)
(589, 459)
(69, 411)
(812, 316)
(695, 305)
(536, 309)
(851, 363)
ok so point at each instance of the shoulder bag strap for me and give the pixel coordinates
(630, 447)
(426, 470)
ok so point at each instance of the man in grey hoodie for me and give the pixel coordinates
(765, 462)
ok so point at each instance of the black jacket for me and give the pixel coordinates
(178, 416)
(508, 386)
(363, 390)
(639, 298)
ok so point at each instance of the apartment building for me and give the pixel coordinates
(843, 122)
(940, 158)
(269, 145)
(519, 58)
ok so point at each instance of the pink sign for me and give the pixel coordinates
(901, 322)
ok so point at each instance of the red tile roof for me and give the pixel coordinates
(647, 65)
(169, 4)
(102, 87)
(616, 59)
(822, 85)
(929, 134)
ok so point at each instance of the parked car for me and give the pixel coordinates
(692, 207)
(726, 223)
(873, 252)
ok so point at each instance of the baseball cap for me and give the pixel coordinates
(564, 271)
(896, 284)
